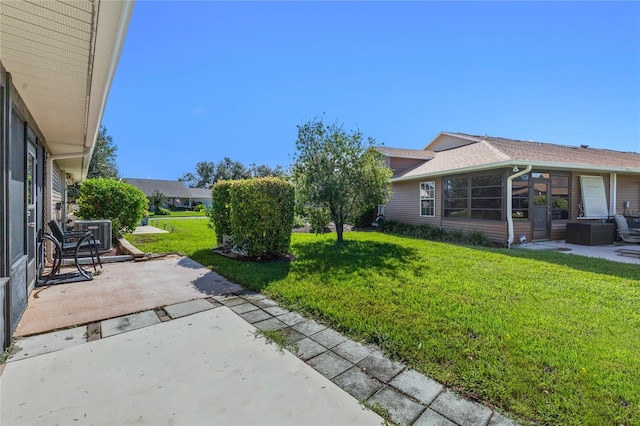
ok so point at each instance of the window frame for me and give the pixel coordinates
(469, 198)
(427, 198)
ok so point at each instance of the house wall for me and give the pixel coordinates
(5, 266)
(404, 206)
(18, 248)
(57, 194)
(628, 190)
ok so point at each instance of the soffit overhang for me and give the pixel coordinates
(62, 56)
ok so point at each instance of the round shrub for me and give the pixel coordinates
(118, 201)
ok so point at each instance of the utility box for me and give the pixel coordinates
(590, 233)
(101, 229)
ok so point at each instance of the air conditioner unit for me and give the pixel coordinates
(101, 229)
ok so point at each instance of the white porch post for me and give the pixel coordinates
(613, 193)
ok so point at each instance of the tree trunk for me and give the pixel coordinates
(339, 230)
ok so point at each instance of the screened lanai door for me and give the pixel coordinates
(32, 212)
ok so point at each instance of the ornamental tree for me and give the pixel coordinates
(339, 171)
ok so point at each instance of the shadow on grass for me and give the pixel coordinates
(349, 256)
(251, 275)
(582, 263)
(312, 258)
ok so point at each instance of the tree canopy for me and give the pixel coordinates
(207, 173)
(339, 171)
(103, 160)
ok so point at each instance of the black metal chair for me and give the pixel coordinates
(73, 245)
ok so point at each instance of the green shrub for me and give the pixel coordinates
(430, 232)
(298, 221)
(366, 218)
(161, 211)
(220, 212)
(120, 202)
(261, 216)
(319, 219)
(200, 208)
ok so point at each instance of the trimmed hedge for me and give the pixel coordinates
(256, 213)
(220, 212)
(112, 199)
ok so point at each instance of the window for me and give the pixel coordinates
(560, 196)
(456, 191)
(520, 198)
(476, 197)
(428, 199)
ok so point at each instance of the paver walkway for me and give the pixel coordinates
(407, 396)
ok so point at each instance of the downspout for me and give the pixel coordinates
(613, 193)
(510, 202)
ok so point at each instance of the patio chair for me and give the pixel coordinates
(623, 230)
(74, 244)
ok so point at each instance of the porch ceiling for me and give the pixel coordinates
(62, 56)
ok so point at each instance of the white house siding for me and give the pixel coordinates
(57, 186)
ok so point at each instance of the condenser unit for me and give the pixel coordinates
(101, 229)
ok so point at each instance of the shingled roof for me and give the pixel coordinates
(406, 153)
(169, 188)
(485, 152)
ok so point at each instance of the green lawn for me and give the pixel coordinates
(553, 338)
(178, 214)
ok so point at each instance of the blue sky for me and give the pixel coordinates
(199, 81)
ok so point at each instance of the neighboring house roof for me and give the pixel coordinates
(200, 193)
(168, 188)
(63, 59)
(486, 152)
(406, 153)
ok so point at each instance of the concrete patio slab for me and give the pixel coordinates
(292, 318)
(352, 351)
(241, 308)
(271, 324)
(459, 410)
(431, 418)
(113, 293)
(328, 338)
(608, 251)
(148, 229)
(307, 349)
(417, 386)
(330, 365)
(498, 419)
(380, 367)
(187, 308)
(128, 323)
(27, 347)
(402, 410)
(309, 328)
(358, 383)
(254, 316)
(276, 311)
(153, 376)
